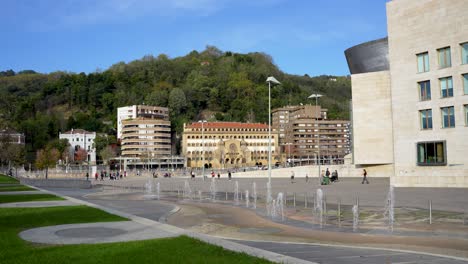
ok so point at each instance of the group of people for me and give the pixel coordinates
(326, 179)
(104, 174)
(213, 174)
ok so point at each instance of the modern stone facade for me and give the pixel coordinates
(423, 97)
(228, 144)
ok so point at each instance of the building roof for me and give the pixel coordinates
(227, 125)
(78, 131)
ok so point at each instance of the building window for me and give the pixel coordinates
(444, 57)
(464, 52)
(448, 117)
(426, 118)
(465, 83)
(446, 87)
(465, 110)
(423, 62)
(424, 90)
(431, 153)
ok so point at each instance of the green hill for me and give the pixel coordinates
(229, 86)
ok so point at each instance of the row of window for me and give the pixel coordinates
(447, 114)
(230, 137)
(257, 144)
(231, 129)
(446, 87)
(444, 58)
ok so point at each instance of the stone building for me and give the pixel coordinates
(410, 95)
(228, 144)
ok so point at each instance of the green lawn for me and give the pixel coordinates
(13, 198)
(16, 188)
(6, 179)
(171, 250)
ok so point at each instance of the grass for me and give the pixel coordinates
(169, 250)
(16, 188)
(13, 198)
(7, 179)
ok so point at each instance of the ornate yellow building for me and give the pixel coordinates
(228, 144)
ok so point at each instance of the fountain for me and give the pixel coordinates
(213, 189)
(158, 191)
(247, 199)
(389, 208)
(187, 191)
(269, 200)
(280, 205)
(199, 195)
(355, 217)
(319, 205)
(236, 193)
(254, 192)
(149, 190)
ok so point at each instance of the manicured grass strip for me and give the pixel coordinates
(13, 198)
(16, 188)
(170, 250)
(6, 179)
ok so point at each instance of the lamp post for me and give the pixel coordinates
(317, 96)
(203, 147)
(270, 80)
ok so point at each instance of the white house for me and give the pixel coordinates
(81, 139)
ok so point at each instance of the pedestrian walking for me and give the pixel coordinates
(87, 176)
(219, 175)
(307, 177)
(292, 176)
(364, 179)
(96, 176)
(229, 175)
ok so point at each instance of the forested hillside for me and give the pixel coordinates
(221, 85)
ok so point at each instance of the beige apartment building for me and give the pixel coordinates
(410, 95)
(305, 129)
(145, 134)
(228, 144)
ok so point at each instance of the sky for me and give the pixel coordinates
(303, 37)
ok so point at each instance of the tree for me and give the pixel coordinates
(107, 153)
(177, 101)
(47, 158)
(81, 155)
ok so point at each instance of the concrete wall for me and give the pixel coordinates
(344, 171)
(372, 118)
(425, 26)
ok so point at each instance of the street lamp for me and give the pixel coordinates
(270, 80)
(203, 147)
(317, 96)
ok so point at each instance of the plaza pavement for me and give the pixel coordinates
(147, 213)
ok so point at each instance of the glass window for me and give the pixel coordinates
(448, 117)
(423, 62)
(424, 90)
(465, 110)
(444, 57)
(446, 87)
(431, 153)
(426, 118)
(465, 83)
(464, 52)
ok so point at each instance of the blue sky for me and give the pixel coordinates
(303, 37)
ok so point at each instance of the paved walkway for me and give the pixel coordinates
(94, 233)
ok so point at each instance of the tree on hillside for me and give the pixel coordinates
(47, 158)
(177, 101)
